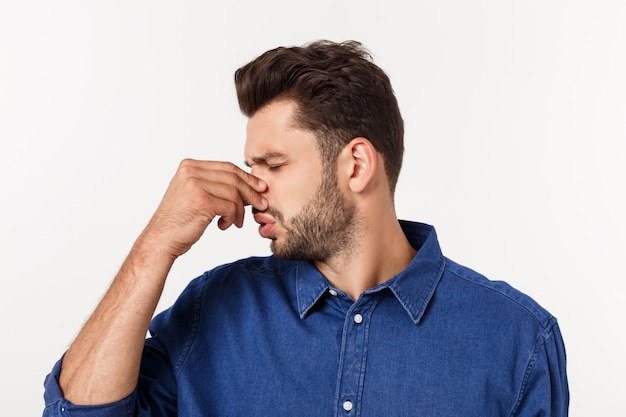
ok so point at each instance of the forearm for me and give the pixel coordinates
(102, 364)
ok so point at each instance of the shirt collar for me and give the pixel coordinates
(413, 287)
(310, 286)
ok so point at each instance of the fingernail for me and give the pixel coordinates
(262, 184)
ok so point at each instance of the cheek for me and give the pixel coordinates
(290, 195)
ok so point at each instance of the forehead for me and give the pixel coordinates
(272, 132)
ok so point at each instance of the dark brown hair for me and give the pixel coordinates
(340, 94)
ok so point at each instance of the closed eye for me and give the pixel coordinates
(274, 167)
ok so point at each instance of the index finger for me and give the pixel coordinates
(246, 186)
(250, 195)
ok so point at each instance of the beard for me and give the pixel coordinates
(324, 229)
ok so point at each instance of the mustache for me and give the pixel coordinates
(271, 211)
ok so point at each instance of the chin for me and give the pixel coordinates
(279, 251)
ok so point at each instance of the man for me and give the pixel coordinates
(356, 314)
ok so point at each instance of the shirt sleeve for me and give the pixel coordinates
(545, 389)
(57, 406)
(155, 395)
(156, 391)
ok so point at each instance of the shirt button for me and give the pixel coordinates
(358, 318)
(347, 406)
(332, 292)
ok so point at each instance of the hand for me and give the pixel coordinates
(200, 191)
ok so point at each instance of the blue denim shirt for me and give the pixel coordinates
(268, 337)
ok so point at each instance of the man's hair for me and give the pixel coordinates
(339, 92)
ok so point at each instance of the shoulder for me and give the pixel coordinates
(493, 296)
(233, 277)
(269, 265)
(245, 272)
(244, 275)
(241, 282)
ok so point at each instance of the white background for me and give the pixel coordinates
(515, 118)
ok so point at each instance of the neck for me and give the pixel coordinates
(382, 252)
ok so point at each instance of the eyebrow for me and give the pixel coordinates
(263, 158)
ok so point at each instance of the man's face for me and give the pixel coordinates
(308, 216)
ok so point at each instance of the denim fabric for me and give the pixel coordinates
(267, 337)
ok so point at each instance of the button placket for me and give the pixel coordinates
(354, 356)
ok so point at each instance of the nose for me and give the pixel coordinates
(257, 172)
(254, 170)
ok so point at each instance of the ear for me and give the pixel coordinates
(359, 161)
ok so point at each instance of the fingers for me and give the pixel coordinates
(228, 189)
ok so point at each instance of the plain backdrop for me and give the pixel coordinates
(515, 117)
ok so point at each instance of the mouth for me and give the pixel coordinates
(266, 224)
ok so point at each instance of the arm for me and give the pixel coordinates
(102, 364)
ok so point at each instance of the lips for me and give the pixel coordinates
(266, 224)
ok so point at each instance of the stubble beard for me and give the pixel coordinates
(323, 230)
